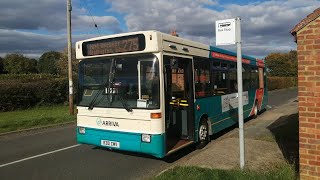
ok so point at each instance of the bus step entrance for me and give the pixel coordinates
(178, 145)
(179, 123)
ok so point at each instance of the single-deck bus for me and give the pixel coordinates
(154, 93)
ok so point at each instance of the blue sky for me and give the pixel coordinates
(33, 27)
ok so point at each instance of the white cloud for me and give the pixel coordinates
(84, 22)
(165, 15)
(32, 14)
(265, 25)
(50, 15)
(35, 26)
(13, 41)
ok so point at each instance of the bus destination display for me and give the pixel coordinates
(114, 45)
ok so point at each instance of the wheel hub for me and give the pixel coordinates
(203, 133)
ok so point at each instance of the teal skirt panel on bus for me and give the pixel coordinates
(127, 141)
(212, 107)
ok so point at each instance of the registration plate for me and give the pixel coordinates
(110, 143)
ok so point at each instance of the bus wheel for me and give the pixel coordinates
(255, 110)
(203, 134)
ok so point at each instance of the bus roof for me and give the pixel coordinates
(182, 41)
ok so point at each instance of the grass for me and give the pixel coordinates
(266, 137)
(281, 172)
(34, 117)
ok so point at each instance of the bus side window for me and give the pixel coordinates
(233, 77)
(246, 77)
(219, 78)
(202, 77)
(254, 78)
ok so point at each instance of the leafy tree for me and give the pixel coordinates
(62, 63)
(19, 64)
(48, 62)
(293, 59)
(282, 64)
(1, 66)
(31, 65)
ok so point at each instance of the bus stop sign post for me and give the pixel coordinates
(240, 107)
(228, 32)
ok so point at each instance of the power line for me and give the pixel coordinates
(95, 24)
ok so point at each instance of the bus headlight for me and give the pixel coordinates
(82, 130)
(146, 138)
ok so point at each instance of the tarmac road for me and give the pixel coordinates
(282, 96)
(54, 154)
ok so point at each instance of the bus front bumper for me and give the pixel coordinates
(123, 141)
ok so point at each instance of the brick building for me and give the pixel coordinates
(307, 36)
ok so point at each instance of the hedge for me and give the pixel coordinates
(281, 82)
(24, 91)
(27, 77)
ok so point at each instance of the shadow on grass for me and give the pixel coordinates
(286, 133)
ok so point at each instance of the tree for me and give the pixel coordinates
(293, 60)
(282, 64)
(48, 62)
(31, 65)
(62, 63)
(19, 64)
(1, 66)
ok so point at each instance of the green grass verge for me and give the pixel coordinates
(266, 137)
(34, 117)
(283, 172)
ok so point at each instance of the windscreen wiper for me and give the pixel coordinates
(124, 103)
(110, 81)
(92, 103)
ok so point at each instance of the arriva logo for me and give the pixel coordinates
(106, 123)
(99, 122)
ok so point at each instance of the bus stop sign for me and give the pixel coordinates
(225, 32)
(228, 32)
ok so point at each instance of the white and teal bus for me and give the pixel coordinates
(154, 93)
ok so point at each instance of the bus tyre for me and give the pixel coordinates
(203, 134)
(255, 110)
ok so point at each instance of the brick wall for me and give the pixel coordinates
(308, 41)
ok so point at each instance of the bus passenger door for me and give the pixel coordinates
(179, 102)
